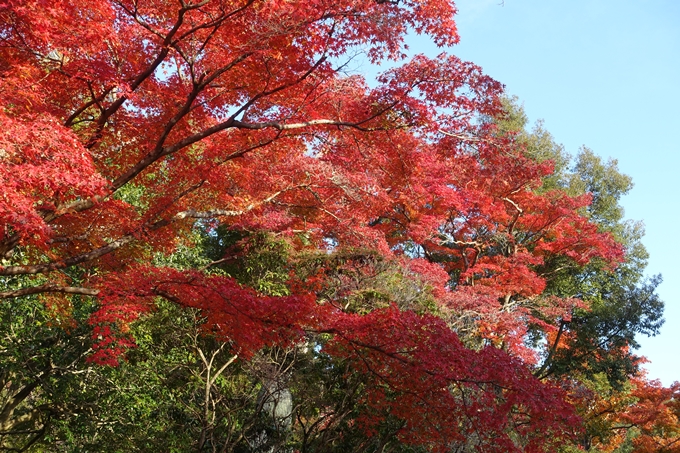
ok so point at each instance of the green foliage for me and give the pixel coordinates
(133, 194)
(256, 259)
(156, 400)
(42, 353)
(606, 185)
(602, 336)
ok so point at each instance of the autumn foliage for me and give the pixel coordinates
(126, 125)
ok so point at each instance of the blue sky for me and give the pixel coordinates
(604, 74)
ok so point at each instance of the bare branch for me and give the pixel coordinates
(224, 212)
(284, 127)
(63, 264)
(48, 288)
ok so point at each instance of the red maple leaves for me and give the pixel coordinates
(126, 123)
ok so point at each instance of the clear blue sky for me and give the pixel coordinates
(605, 74)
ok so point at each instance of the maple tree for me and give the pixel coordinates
(129, 126)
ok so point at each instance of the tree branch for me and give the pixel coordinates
(48, 288)
(44, 268)
(539, 373)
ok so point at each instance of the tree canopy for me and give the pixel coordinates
(213, 238)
